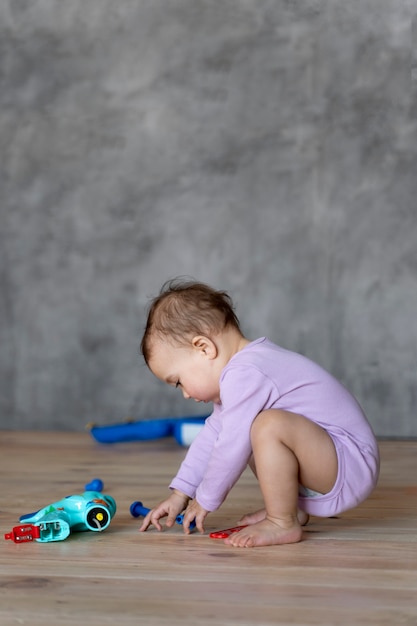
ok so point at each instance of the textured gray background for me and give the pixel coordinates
(265, 146)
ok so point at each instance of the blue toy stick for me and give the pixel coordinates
(137, 509)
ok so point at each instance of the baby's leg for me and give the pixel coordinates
(258, 516)
(288, 449)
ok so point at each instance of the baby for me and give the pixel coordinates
(302, 433)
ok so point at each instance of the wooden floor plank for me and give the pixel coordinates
(360, 568)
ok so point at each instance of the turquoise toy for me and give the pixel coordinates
(90, 510)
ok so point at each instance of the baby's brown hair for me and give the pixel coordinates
(185, 309)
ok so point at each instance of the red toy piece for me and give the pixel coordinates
(223, 534)
(20, 534)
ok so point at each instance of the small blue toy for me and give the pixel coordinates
(95, 485)
(91, 510)
(137, 509)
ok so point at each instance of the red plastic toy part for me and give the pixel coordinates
(20, 534)
(223, 534)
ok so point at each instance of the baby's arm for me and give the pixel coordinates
(188, 478)
(171, 507)
(193, 468)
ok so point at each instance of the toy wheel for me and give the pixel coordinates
(97, 518)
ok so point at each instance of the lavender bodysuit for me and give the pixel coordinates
(265, 376)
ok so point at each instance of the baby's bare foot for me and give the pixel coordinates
(267, 532)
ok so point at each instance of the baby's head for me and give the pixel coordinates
(185, 309)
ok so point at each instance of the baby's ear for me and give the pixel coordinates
(205, 345)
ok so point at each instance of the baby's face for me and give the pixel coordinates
(186, 367)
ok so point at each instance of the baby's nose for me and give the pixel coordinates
(185, 394)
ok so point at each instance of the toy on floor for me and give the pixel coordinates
(223, 534)
(91, 510)
(183, 429)
(137, 509)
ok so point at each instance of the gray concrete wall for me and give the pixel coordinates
(267, 147)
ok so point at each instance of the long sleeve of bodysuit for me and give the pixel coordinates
(265, 376)
(193, 467)
(222, 449)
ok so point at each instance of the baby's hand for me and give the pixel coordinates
(194, 511)
(171, 507)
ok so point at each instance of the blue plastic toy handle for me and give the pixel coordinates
(180, 518)
(95, 485)
(137, 509)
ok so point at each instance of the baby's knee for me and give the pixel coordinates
(269, 423)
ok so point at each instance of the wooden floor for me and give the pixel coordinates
(358, 569)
